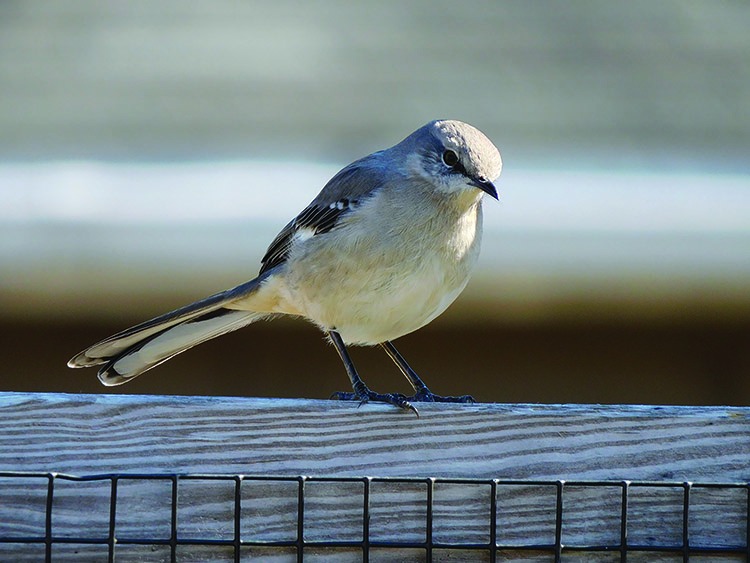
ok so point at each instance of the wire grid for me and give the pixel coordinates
(686, 548)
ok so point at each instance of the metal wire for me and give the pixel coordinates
(494, 548)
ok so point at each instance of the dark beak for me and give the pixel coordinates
(485, 186)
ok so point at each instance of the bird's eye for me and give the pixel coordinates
(450, 158)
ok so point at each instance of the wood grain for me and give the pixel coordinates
(97, 434)
(84, 434)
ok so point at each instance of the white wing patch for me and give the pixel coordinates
(303, 233)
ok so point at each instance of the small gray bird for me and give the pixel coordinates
(386, 246)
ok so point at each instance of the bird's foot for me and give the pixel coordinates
(365, 396)
(427, 396)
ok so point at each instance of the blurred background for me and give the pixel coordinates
(149, 151)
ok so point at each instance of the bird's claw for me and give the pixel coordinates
(427, 396)
(397, 399)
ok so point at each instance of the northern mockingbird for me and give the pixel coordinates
(385, 247)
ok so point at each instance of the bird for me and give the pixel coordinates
(385, 247)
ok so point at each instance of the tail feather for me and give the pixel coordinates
(133, 351)
(157, 348)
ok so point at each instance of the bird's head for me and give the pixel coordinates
(454, 157)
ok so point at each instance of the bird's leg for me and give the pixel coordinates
(361, 391)
(421, 391)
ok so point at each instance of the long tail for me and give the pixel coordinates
(133, 351)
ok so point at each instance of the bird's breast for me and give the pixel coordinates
(376, 288)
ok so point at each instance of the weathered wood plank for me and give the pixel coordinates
(166, 435)
(84, 434)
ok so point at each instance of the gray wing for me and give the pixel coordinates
(342, 194)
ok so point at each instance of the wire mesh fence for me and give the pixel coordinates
(209, 517)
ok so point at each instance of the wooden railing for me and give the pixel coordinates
(115, 476)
